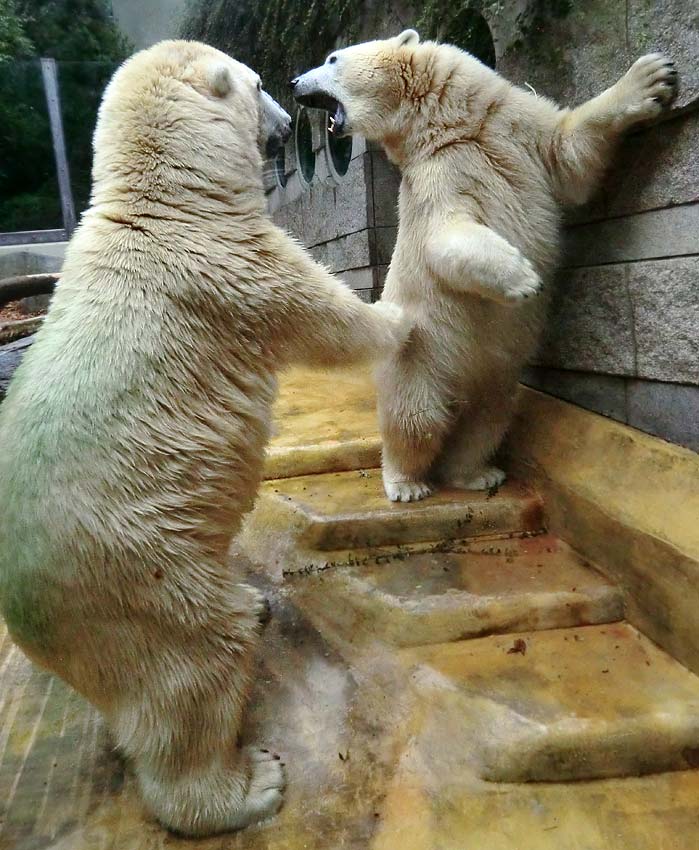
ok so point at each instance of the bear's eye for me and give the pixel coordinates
(332, 60)
(259, 85)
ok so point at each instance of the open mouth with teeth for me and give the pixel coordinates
(337, 117)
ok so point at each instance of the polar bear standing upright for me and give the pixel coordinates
(485, 168)
(133, 433)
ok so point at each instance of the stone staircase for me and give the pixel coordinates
(516, 634)
(514, 675)
(443, 675)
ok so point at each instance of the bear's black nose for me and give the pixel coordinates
(292, 83)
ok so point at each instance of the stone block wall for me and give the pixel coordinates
(624, 330)
(349, 224)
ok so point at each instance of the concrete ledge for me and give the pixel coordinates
(421, 594)
(297, 521)
(627, 501)
(666, 410)
(563, 705)
(323, 422)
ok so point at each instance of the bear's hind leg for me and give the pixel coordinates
(464, 462)
(178, 718)
(405, 465)
(414, 421)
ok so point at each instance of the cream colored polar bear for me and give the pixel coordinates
(485, 167)
(133, 433)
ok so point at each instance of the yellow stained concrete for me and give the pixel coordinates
(628, 501)
(62, 788)
(375, 760)
(433, 804)
(563, 704)
(412, 596)
(323, 422)
(295, 519)
(386, 748)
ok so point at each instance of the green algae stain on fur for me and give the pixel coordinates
(23, 589)
(26, 617)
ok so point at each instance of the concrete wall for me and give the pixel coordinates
(148, 21)
(624, 336)
(348, 224)
(31, 259)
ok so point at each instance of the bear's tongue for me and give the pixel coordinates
(337, 120)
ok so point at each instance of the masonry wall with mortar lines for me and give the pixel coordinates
(624, 329)
(349, 225)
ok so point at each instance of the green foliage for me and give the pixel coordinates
(14, 41)
(75, 30)
(278, 38)
(84, 40)
(28, 189)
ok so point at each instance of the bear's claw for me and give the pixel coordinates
(264, 614)
(649, 86)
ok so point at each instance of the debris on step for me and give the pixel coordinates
(294, 517)
(412, 595)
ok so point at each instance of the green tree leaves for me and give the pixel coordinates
(87, 44)
(14, 41)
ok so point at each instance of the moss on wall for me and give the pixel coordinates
(280, 38)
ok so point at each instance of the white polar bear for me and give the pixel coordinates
(133, 434)
(485, 167)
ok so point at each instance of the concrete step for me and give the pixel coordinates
(560, 705)
(324, 422)
(482, 586)
(347, 510)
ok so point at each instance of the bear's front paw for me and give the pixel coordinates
(648, 87)
(523, 282)
(396, 319)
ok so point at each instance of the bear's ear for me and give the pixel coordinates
(220, 80)
(408, 37)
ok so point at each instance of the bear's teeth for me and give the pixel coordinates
(337, 121)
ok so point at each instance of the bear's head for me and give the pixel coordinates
(396, 91)
(183, 111)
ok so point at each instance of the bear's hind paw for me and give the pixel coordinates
(407, 491)
(486, 479)
(264, 796)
